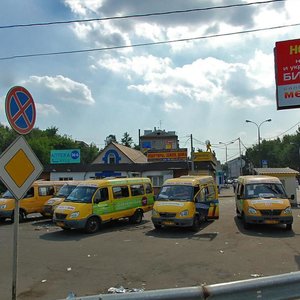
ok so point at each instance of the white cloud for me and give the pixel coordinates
(84, 7)
(61, 88)
(45, 109)
(169, 106)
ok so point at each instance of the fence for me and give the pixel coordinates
(277, 287)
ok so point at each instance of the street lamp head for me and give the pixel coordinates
(247, 121)
(269, 120)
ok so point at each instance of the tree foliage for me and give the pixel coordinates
(126, 140)
(278, 153)
(43, 141)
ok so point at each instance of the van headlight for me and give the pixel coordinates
(184, 213)
(288, 211)
(154, 213)
(252, 211)
(3, 206)
(74, 215)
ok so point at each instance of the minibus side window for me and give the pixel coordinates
(46, 190)
(120, 192)
(29, 193)
(211, 194)
(149, 189)
(240, 192)
(201, 196)
(137, 189)
(101, 195)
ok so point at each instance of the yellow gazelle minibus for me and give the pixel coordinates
(261, 199)
(186, 201)
(59, 197)
(94, 202)
(32, 202)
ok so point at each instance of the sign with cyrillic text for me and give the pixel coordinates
(287, 73)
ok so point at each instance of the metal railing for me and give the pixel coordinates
(277, 287)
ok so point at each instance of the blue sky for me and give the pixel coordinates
(205, 87)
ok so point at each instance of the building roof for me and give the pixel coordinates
(142, 167)
(135, 156)
(158, 133)
(269, 171)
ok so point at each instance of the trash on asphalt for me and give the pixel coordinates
(121, 289)
(71, 296)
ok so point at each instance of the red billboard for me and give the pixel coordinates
(287, 72)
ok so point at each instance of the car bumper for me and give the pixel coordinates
(269, 220)
(186, 222)
(6, 213)
(72, 224)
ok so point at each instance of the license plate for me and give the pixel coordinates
(60, 223)
(168, 223)
(271, 222)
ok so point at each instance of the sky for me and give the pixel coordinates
(203, 87)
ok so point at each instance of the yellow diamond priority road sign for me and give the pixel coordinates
(19, 167)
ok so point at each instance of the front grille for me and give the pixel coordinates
(60, 216)
(167, 215)
(270, 212)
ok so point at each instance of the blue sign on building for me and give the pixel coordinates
(71, 156)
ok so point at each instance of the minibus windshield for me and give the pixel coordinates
(176, 193)
(82, 194)
(7, 195)
(65, 190)
(265, 190)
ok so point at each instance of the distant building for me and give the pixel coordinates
(158, 140)
(235, 167)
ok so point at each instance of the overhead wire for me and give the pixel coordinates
(30, 55)
(139, 15)
(145, 44)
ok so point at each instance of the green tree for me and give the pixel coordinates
(126, 140)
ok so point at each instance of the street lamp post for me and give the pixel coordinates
(258, 136)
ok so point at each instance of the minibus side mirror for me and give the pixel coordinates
(292, 197)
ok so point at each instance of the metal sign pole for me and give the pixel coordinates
(15, 251)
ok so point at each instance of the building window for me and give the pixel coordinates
(111, 159)
(157, 181)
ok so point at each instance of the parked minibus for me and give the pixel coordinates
(262, 199)
(32, 202)
(59, 197)
(186, 201)
(94, 202)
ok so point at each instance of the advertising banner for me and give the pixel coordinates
(287, 73)
(71, 156)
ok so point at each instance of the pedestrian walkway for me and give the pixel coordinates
(226, 191)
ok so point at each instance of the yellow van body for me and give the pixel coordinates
(262, 200)
(186, 201)
(94, 202)
(32, 202)
(59, 197)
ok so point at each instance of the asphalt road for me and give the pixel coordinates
(53, 262)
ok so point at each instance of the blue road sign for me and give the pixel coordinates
(20, 109)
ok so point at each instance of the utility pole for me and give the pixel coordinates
(192, 153)
(241, 162)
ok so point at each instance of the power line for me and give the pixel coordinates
(271, 138)
(145, 44)
(137, 15)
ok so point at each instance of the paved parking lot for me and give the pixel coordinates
(53, 263)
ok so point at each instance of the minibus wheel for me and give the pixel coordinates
(22, 216)
(92, 225)
(196, 224)
(137, 217)
(288, 227)
(246, 225)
